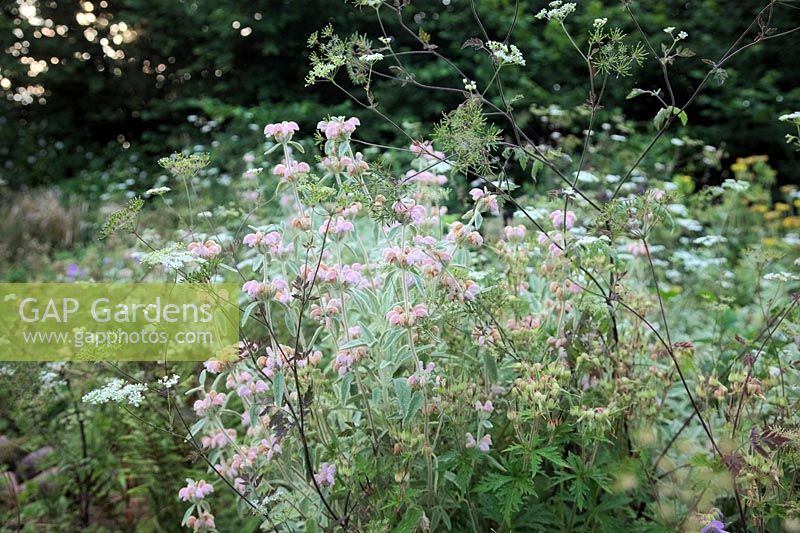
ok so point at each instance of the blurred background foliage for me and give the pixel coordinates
(107, 86)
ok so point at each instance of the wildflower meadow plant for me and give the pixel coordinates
(431, 341)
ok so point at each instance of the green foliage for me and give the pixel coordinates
(612, 55)
(185, 166)
(129, 471)
(468, 138)
(125, 106)
(123, 220)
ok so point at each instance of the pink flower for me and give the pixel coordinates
(542, 238)
(194, 492)
(526, 322)
(409, 211)
(338, 127)
(425, 149)
(485, 201)
(487, 334)
(325, 309)
(254, 289)
(343, 361)
(271, 446)
(219, 439)
(470, 441)
(485, 443)
(351, 275)
(214, 366)
(420, 310)
(636, 248)
(471, 290)
(352, 210)
(422, 376)
(423, 240)
(337, 226)
(271, 240)
(253, 239)
(555, 249)
(290, 168)
(572, 287)
(274, 244)
(356, 165)
(426, 178)
(281, 131)
(205, 250)
(492, 205)
(460, 291)
(204, 522)
(326, 476)
(515, 233)
(281, 291)
(475, 238)
(396, 316)
(212, 399)
(560, 221)
(484, 407)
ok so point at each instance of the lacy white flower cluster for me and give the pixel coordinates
(735, 185)
(51, 377)
(171, 257)
(169, 381)
(557, 10)
(118, 391)
(507, 54)
(681, 35)
(781, 276)
(371, 58)
(158, 191)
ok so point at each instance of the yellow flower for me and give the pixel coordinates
(742, 163)
(771, 215)
(770, 241)
(753, 159)
(684, 182)
(759, 208)
(792, 222)
(782, 207)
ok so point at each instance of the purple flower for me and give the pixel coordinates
(326, 476)
(470, 441)
(715, 526)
